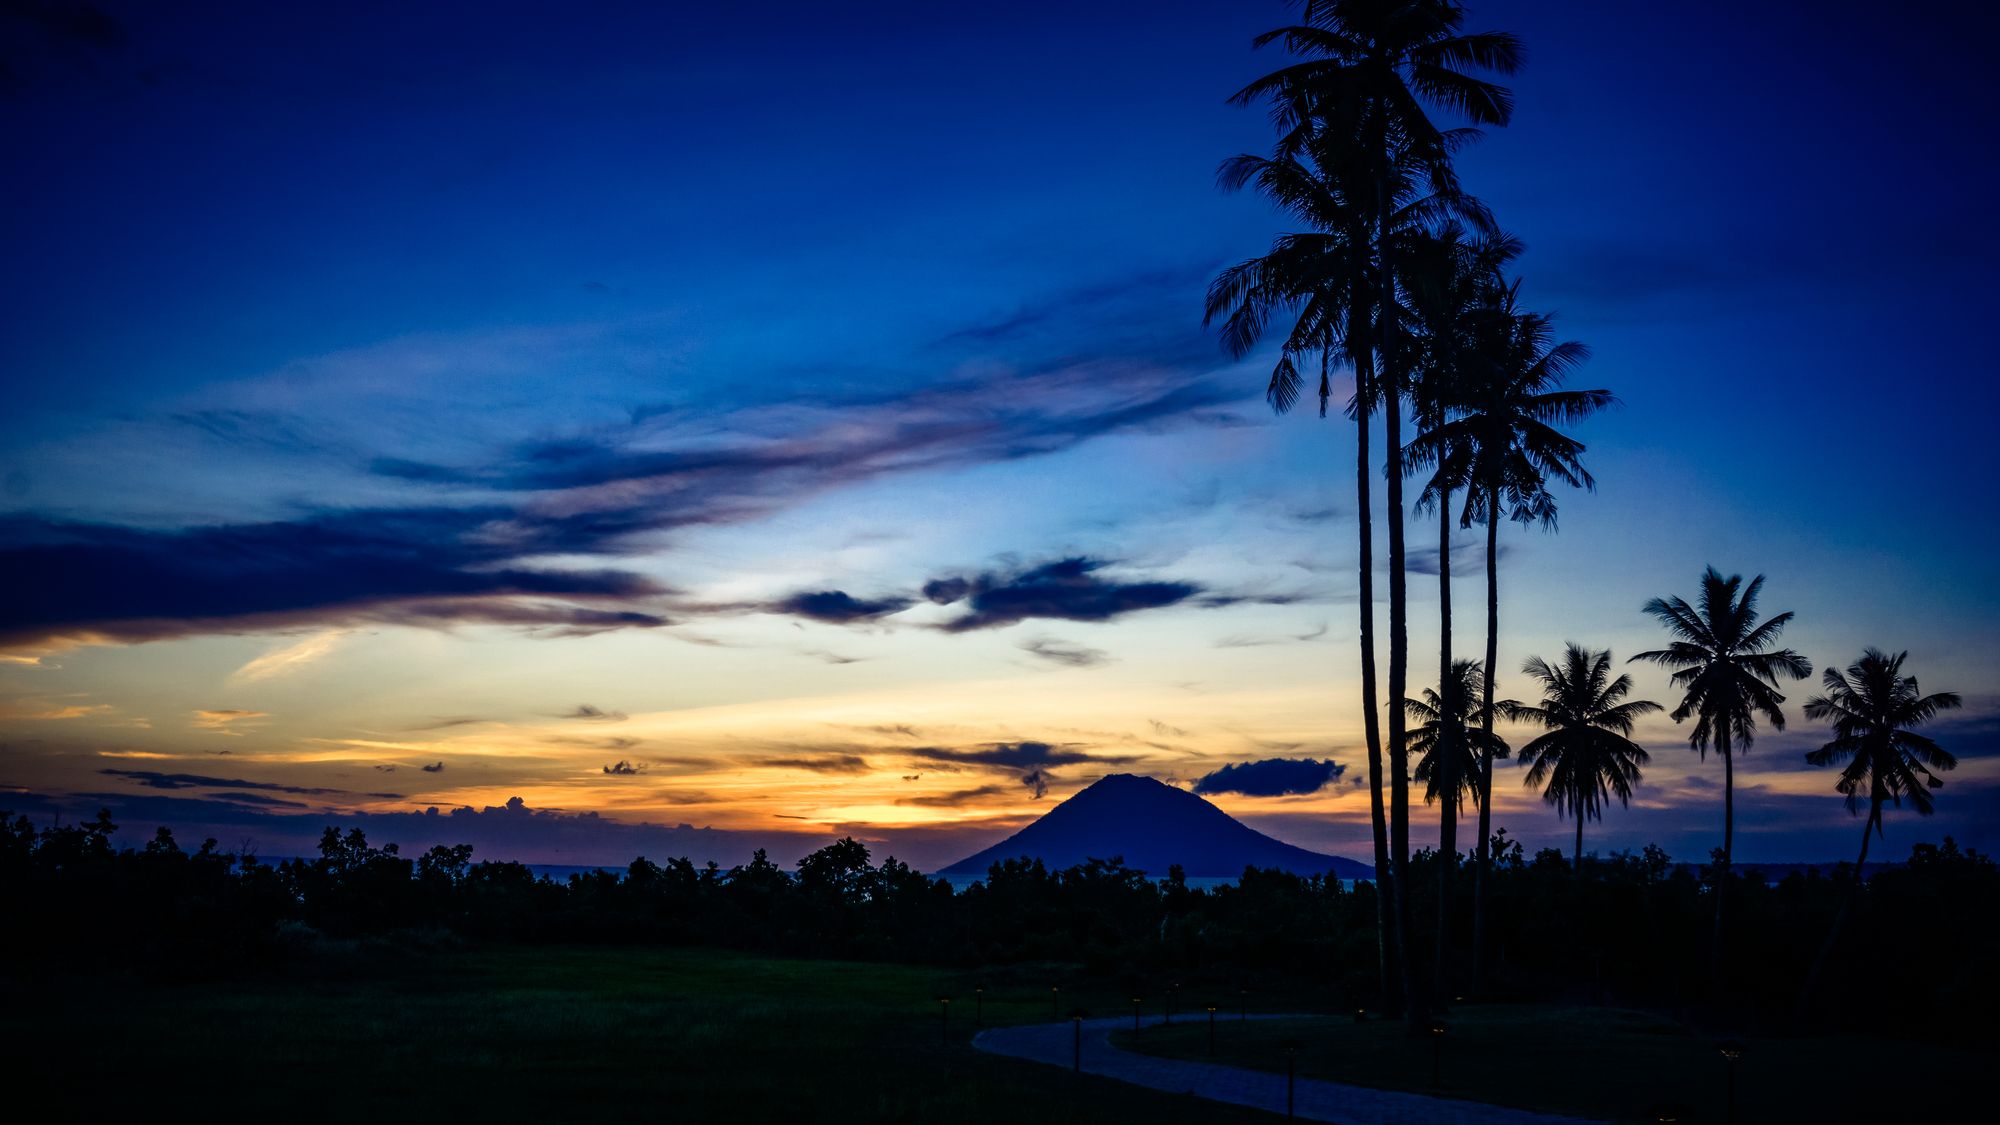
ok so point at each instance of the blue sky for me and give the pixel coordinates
(369, 369)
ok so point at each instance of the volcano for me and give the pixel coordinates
(1152, 826)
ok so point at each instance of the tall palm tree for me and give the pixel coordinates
(1368, 71)
(1449, 279)
(1509, 402)
(1434, 726)
(1324, 275)
(1729, 671)
(1588, 755)
(1873, 707)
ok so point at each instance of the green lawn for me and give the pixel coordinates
(554, 1034)
(1605, 1063)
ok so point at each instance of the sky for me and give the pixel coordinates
(621, 428)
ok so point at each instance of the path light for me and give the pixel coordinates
(1211, 1029)
(1291, 1047)
(1055, 1001)
(1360, 1015)
(1437, 1053)
(1732, 1049)
(1668, 1113)
(944, 1021)
(1135, 1013)
(978, 1007)
(1076, 1019)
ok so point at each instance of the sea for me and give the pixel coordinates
(562, 871)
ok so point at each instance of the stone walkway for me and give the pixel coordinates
(1316, 1100)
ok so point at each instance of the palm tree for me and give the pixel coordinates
(1872, 707)
(1449, 279)
(1368, 70)
(1587, 756)
(1504, 437)
(1324, 275)
(1433, 725)
(1729, 672)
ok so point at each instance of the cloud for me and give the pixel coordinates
(957, 798)
(836, 607)
(1066, 589)
(1008, 755)
(1032, 763)
(1466, 559)
(1037, 781)
(479, 555)
(828, 763)
(287, 659)
(64, 582)
(155, 780)
(223, 720)
(52, 712)
(1272, 777)
(623, 768)
(589, 713)
(1068, 655)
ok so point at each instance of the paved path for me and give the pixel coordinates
(1317, 1100)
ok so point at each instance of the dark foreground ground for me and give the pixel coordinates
(549, 1035)
(621, 1034)
(1608, 1065)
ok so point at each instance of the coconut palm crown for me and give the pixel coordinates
(1428, 729)
(1587, 755)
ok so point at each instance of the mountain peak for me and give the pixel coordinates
(1153, 826)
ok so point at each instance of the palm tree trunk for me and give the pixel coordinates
(1872, 825)
(1399, 636)
(1579, 853)
(1449, 731)
(1486, 741)
(1728, 842)
(1385, 887)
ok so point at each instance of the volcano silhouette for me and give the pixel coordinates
(1152, 826)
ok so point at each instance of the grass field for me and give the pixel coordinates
(554, 1035)
(1606, 1064)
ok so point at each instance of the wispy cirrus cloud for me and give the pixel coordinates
(478, 554)
(226, 720)
(287, 659)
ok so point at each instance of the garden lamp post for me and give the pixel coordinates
(978, 1007)
(1437, 1053)
(1135, 1013)
(1076, 1043)
(1291, 1047)
(1055, 1001)
(944, 1017)
(1211, 1029)
(1732, 1049)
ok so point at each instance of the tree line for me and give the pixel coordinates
(1625, 928)
(1399, 278)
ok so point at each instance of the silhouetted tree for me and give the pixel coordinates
(1872, 707)
(1367, 70)
(1450, 282)
(1474, 738)
(1509, 402)
(1327, 275)
(1587, 755)
(1725, 664)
